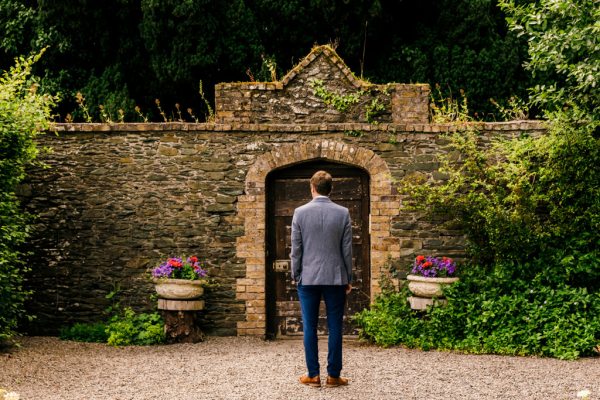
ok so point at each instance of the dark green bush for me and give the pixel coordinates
(492, 313)
(125, 327)
(94, 332)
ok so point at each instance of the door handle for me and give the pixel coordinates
(281, 265)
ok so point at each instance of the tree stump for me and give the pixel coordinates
(180, 318)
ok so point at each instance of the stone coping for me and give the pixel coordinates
(326, 127)
(335, 59)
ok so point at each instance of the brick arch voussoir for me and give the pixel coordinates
(290, 154)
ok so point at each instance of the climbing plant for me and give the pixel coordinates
(366, 99)
(340, 102)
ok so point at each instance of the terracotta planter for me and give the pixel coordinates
(178, 289)
(422, 286)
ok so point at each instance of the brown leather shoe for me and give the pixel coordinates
(314, 381)
(333, 382)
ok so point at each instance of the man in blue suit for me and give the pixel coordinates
(322, 268)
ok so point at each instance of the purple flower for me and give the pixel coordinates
(176, 268)
(162, 271)
(434, 266)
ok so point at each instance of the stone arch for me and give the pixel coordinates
(385, 204)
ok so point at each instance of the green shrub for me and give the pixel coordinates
(530, 208)
(530, 204)
(123, 329)
(24, 113)
(124, 326)
(129, 328)
(94, 332)
(492, 313)
(389, 321)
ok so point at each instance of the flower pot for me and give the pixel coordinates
(178, 289)
(427, 287)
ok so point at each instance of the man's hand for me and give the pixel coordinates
(348, 288)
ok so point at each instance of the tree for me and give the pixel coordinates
(189, 41)
(24, 113)
(564, 47)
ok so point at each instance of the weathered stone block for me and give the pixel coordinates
(167, 151)
(214, 166)
(219, 207)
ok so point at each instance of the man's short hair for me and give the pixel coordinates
(322, 182)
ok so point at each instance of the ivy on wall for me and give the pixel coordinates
(373, 107)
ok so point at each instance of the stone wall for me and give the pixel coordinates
(116, 199)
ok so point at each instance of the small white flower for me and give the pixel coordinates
(584, 394)
(12, 396)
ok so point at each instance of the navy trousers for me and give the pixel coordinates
(335, 303)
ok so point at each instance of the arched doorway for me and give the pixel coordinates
(286, 189)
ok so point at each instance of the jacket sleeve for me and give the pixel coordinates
(296, 254)
(347, 246)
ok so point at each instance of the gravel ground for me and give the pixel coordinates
(249, 368)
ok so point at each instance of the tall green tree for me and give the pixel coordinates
(24, 113)
(564, 48)
(459, 45)
(189, 41)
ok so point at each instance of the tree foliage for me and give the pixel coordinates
(119, 53)
(564, 48)
(24, 113)
(189, 39)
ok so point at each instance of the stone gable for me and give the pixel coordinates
(293, 99)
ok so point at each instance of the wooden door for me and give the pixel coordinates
(286, 190)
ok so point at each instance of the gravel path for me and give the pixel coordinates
(232, 368)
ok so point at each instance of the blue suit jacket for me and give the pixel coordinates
(321, 244)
